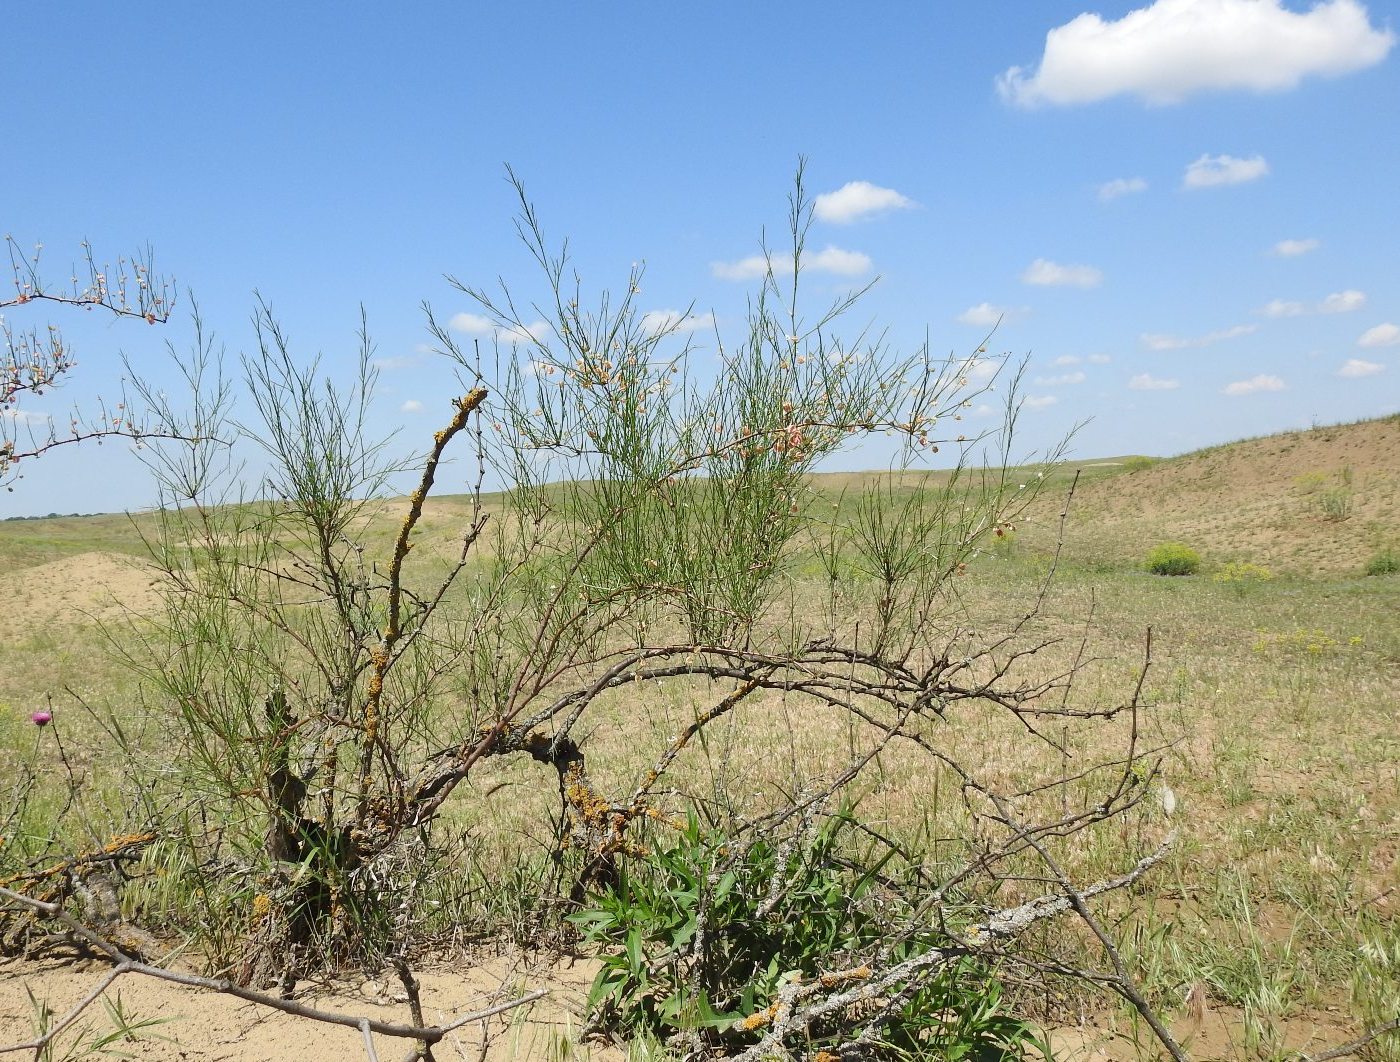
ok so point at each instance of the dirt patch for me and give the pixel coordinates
(209, 1027)
(87, 588)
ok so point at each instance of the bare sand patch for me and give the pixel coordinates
(89, 587)
(208, 1027)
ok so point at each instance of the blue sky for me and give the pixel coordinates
(1186, 210)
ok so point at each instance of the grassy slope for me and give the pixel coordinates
(1261, 500)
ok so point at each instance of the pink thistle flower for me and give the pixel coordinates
(41, 717)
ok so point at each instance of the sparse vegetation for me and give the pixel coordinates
(781, 722)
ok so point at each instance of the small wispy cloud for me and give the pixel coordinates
(394, 362)
(1061, 381)
(1068, 359)
(1383, 335)
(28, 417)
(1045, 273)
(475, 325)
(1038, 402)
(1121, 186)
(856, 201)
(830, 259)
(1254, 385)
(750, 268)
(1282, 308)
(1145, 381)
(1164, 341)
(986, 314)
(1342, 302)
(411, 406)
(1214, 171)
(654, 321)
(1338, 302)
(1356, 368)
(1294, 248)
(472, 324)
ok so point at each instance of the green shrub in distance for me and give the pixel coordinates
(1173, 558)
(1243, 572)
(1386, 562)
(1139, 463)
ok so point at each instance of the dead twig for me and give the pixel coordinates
(125, 964)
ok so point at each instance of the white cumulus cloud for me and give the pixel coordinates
(1098, 359)
(835, 260)
(1171, 49)
(986, 314)
(1163, 341)
(1051, 274)
(1383, 335)
(829, 260)
(1355, 368)
(1342, 302)
(1034, 402)
(1254, 385)
(1293, 248)
(1145, 381)
(750, 268)
(1068, 359)
(1213, 171)
(857, 200)
(1121, 186)
(411, 406)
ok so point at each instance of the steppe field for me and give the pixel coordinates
(1270, 929)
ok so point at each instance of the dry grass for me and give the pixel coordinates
(1308, 502)
(1278, 915)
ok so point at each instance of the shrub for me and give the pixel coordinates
(1386, 562)
(1138, 463)
(323, 690)
(701, 935)
(1173, 558)
(1243, 572)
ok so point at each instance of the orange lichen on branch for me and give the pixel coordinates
(382, 655)
(116, 846)
(665, 820)
(833, 980)
(759, 1018)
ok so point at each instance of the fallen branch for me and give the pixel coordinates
(427, 1035)
(1354, 1046)
(787, 1017)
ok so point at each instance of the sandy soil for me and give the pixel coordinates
(208, 1027)
(84, 588)
(1258, 500)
